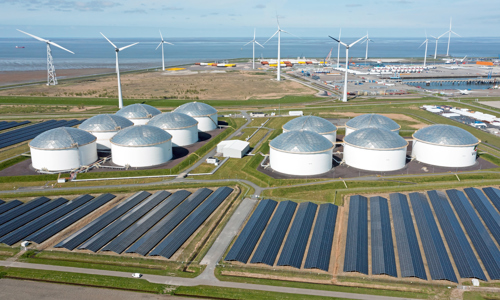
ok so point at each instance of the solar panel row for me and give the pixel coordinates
(69, 219)
(6, 125)
(410, 258)
(1, 202)
(127, 238)
(296, 241)
(104, 220)
(438, 261)
(485, 247)
(463, 255)
(9, 205)
(24, 231)
(356, 249)
(250, 235)
(320, 247)
(181, 234)
(383, 259)
(494, 195)
(16, 212)
(271, 241)
(487, 212)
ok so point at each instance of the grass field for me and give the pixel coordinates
(481, 296)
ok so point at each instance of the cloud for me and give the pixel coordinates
(172, 8)
(353, 5)
(135, 11)
(260, 6)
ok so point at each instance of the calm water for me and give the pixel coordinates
(98, 53)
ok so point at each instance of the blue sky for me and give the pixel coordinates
(236, 18)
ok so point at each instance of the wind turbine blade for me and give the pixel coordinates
(127, 46)
(356, 41)
(168, 43)
(161, 35)
(443, 34)
(455, 33)
(108, 40)
(338, 41)
(254, 34)
(247, 43)
(259, 44)
(277, 20)
(433, 37)
(34, 36)
(159, 45)
(422, 44)
(271, 37)
(290, 34)
(54, 44)
(364, 41)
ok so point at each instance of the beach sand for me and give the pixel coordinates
(17, 77)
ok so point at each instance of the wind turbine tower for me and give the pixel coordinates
(367, 41)
(435, 49)
(279, 31)
(162, 54)
(51, 70)
(449, 32)
(120, 99)
(253, 46)
(344, 99)
(426, 42)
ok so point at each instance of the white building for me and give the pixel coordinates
(445, 146)
(371, 121)
(205, 114)
(375, 149)
(141, 146)
(233, 148)
(182, 128)
(314, 124)
(104, 127)
(138, 113)
(63, 149)
(301, 153)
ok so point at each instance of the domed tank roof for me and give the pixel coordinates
(138, 111)
(446, 135)
(196, 109)
(310, 123)
(301, 141)
(101, 123)
(172, 120)
(62, 138)
(140, 136)
(375, 138)
(372, 121)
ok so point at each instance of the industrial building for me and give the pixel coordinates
(182, 128)
(138, 113)
(375, 149)
(205, 114)
(314, 124)
(63, 149)
(371, 121)
(301, 153)
(233, 148)
(445, 146)
(104, 127)
(141, 146)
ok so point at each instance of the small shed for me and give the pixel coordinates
(233, 148)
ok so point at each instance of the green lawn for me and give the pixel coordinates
(481, 296)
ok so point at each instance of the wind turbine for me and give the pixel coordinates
(253, 46)
(449, 32)
(120, 99)
(367, 42)
(344, 99)
(162, 55)
(279, 31)
(426, 42)
(338, 50)
(51, 70)
(435, 49)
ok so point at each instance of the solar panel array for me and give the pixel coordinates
(21, 209)
(383, 259)
(9, 205)
(7, 125)
(487, 212)
(23, 134)
(356, 249)
(494, 195)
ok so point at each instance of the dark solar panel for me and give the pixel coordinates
(250, 235)
(67, 220)
(181, 234)
(356, 249)
(438, 261)
(22, 209)
(120, 225)
(7, 125)
(463, 255)
(1, 202)
(487, 212)
(271, 241)
(104, 220)
(494, 195)
(9, 205)
(383, 259)
(320, 247)
(44, 220)
(485, 247)
(127, 238)
(296, 241)
(410, 258)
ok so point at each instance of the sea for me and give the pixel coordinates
(98, 53)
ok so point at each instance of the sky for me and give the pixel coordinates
(236, 18)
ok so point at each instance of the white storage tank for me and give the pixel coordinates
(375, 149)
(205, 114)
(104, 127)
(141, 146)
(182, 128)
(301, 153)
(63, 149)
(445, 146)
(138, 113)
(314, 124)
(371, 121)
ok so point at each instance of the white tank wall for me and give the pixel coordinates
(184, 136)
(300, 164)
(103, 138)
(142, 121)
(444, 156)
(207, 123)
(332, 136)
(141, 156)
(349, 130)
(65, 159)
(374, 160)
